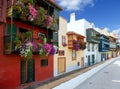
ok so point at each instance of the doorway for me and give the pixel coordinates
(61, 65)
(27, 71)
(82, 62)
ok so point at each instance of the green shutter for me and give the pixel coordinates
(9, 39)
(56, 14)
(14, 32)
(30, 70)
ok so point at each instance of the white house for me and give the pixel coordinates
(91, 55)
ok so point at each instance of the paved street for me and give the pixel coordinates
(107, 78)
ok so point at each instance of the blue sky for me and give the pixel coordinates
(103, 13)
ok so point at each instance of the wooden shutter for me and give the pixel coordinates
(3, 10)
(55, 37)
(9, 39)
(56, 14)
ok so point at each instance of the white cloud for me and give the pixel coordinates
(117, 31)
(75, 4)
(106, 28)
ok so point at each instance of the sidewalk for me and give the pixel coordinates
(60, 81)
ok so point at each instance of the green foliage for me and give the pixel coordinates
(41, 16)
(28, 1)
(17, 40)
(28, 34)
(41, 51)
(30, 54)
(18, 9)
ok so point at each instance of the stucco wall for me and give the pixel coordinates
(70, 64)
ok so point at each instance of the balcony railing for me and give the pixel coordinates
(37, 16)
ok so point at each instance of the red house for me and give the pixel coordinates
(20, 22)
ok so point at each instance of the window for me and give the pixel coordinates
(73, 55)
(9, 37)
(63, 41)
(44, 62)
(88, 46)
(92, 47)
(41, 35)
(61, 53)
(93, 59)
(88, 60)
(56, 16)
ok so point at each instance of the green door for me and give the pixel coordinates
(30, 70)
(27, 70)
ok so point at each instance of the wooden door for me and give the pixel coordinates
(88, 60)
(30, 70)
(82, 62)
(27, 70)
(23, 72)
(61, 65)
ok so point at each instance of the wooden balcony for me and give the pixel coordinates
(92, 36)
(74, 36)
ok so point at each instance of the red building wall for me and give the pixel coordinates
(43, 73)
(10, 65)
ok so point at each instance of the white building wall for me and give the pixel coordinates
(80, 26)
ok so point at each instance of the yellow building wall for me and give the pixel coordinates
(70, 64)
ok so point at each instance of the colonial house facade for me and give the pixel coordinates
(104, 47)
(113, 45)
(27, 36)
(81, 27)
(71, 50)
(93, 40)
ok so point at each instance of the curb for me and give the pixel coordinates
(71, 84)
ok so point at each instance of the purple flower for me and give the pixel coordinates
(76, 45)
(52, 50)
(21, 4)
(47, 48)
(24, 45)
(34, 47)
(48, 21)
(33, 11)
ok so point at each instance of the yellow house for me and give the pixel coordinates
(71, 50)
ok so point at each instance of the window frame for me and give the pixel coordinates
(74, 55)
(45, 62)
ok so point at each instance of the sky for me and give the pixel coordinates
(103, 13)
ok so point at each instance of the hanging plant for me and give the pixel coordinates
(40, 17)
(76, 45)
(48, 22)
(27, 1)
(25, 13)
(83, 45)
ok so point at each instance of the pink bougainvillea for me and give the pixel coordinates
(33, 12)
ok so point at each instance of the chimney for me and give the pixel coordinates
(72, 17)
